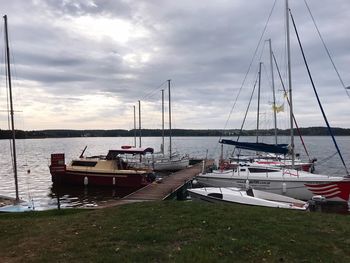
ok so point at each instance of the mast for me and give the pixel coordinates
(169, 118)
(162, 121)
(290, 86)
(134, 126)
(140, 124)
(11, 108)
(273, 92)
(258, 111)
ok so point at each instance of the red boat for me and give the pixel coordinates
(109, 170)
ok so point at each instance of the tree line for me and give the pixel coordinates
(63, 133)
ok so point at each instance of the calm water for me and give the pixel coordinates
(33, 158)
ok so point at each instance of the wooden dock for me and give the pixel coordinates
(162, 189)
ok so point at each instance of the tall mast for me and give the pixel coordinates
(169, 118)
(140, 124)
(273, 92)
(290, 87)
(258, 111)
(162, 121)
(11, 108)
(134, 126)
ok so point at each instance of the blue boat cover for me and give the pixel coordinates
(261, 147)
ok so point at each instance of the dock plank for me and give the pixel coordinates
(162, 189)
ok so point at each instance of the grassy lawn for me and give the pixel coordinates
(173, 231)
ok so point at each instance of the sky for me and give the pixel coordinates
(84, 64)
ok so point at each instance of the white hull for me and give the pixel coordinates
(250, 197)
(285, 164)
(17, 208)
(296, 184)
(170, 164)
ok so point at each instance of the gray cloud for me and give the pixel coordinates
(205, 48)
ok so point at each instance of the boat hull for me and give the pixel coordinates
(170, 165)
(101, 179)
(235, 195)
(93, 179)
(335, 189)
(97, 171)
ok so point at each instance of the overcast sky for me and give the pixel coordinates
(83, 64)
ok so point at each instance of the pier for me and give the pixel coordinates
(163, 189)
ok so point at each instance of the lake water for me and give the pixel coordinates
(33, 157)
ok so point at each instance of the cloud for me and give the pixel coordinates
(84, 64)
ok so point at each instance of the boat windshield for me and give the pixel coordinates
(84, 163)
(261, 170)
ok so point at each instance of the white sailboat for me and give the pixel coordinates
(18, 206)
(161, 161)
(290, 182)
(172, 161)
(276, 159)
(246, 197)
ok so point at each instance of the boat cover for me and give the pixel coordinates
(261, 147)
(113, 153)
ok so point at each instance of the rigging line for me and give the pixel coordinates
(328, 158)
(246, 112)
(14, 76)
(268, 75)
(318, 99)
(270, 84)
(147, 95)
(2, 54)
(294, 119)
(249, 67)
(327, 50)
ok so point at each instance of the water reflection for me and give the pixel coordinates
(86, 196)
(34, 155)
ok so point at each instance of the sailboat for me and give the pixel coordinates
(276, 155)
(290, 182)
(172, 161)
(160, 161)
(18, 206)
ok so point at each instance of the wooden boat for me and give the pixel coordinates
(246, 197)
(109, 170)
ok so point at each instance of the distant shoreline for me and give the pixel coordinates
(65, 133)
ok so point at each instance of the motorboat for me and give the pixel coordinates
(108, 170)
(246, 197)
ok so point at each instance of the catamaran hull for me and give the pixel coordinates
(335, 189)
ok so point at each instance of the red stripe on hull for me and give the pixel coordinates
(324, 189)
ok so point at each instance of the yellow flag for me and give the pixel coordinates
(277, 108)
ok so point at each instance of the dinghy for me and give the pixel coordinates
(246, 197)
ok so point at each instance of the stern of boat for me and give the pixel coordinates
(57, 166)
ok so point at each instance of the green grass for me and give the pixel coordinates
(172, 231)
